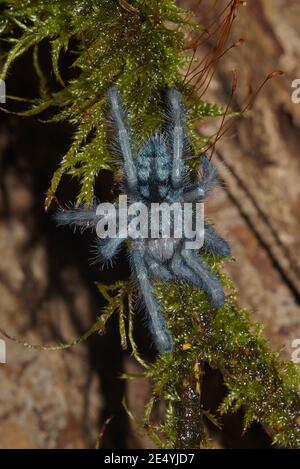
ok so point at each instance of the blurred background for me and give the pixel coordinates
(47, 285)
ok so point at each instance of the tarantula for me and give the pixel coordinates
(159, 173)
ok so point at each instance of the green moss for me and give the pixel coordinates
(266, 388)
(139, 44)
(140, 51)
(227, 339)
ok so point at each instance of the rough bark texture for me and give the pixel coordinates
(259, 162)
(61, 399)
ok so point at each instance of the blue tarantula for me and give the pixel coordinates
(159, 173)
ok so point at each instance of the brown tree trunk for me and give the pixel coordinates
(259, 210)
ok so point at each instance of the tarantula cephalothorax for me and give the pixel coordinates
(158, 173)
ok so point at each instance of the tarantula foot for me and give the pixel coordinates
(163, 342)
(224, 248)
(217, 298)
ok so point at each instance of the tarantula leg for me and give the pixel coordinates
(176, 135)
(107, 249)
(194, 195)
(161, 336)
(209, 282)
(122, 136)
(184, 272)
(209, 175)
(78, 217)
(181, 271)
(198, 191)
(157, 270)
(214, 243)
